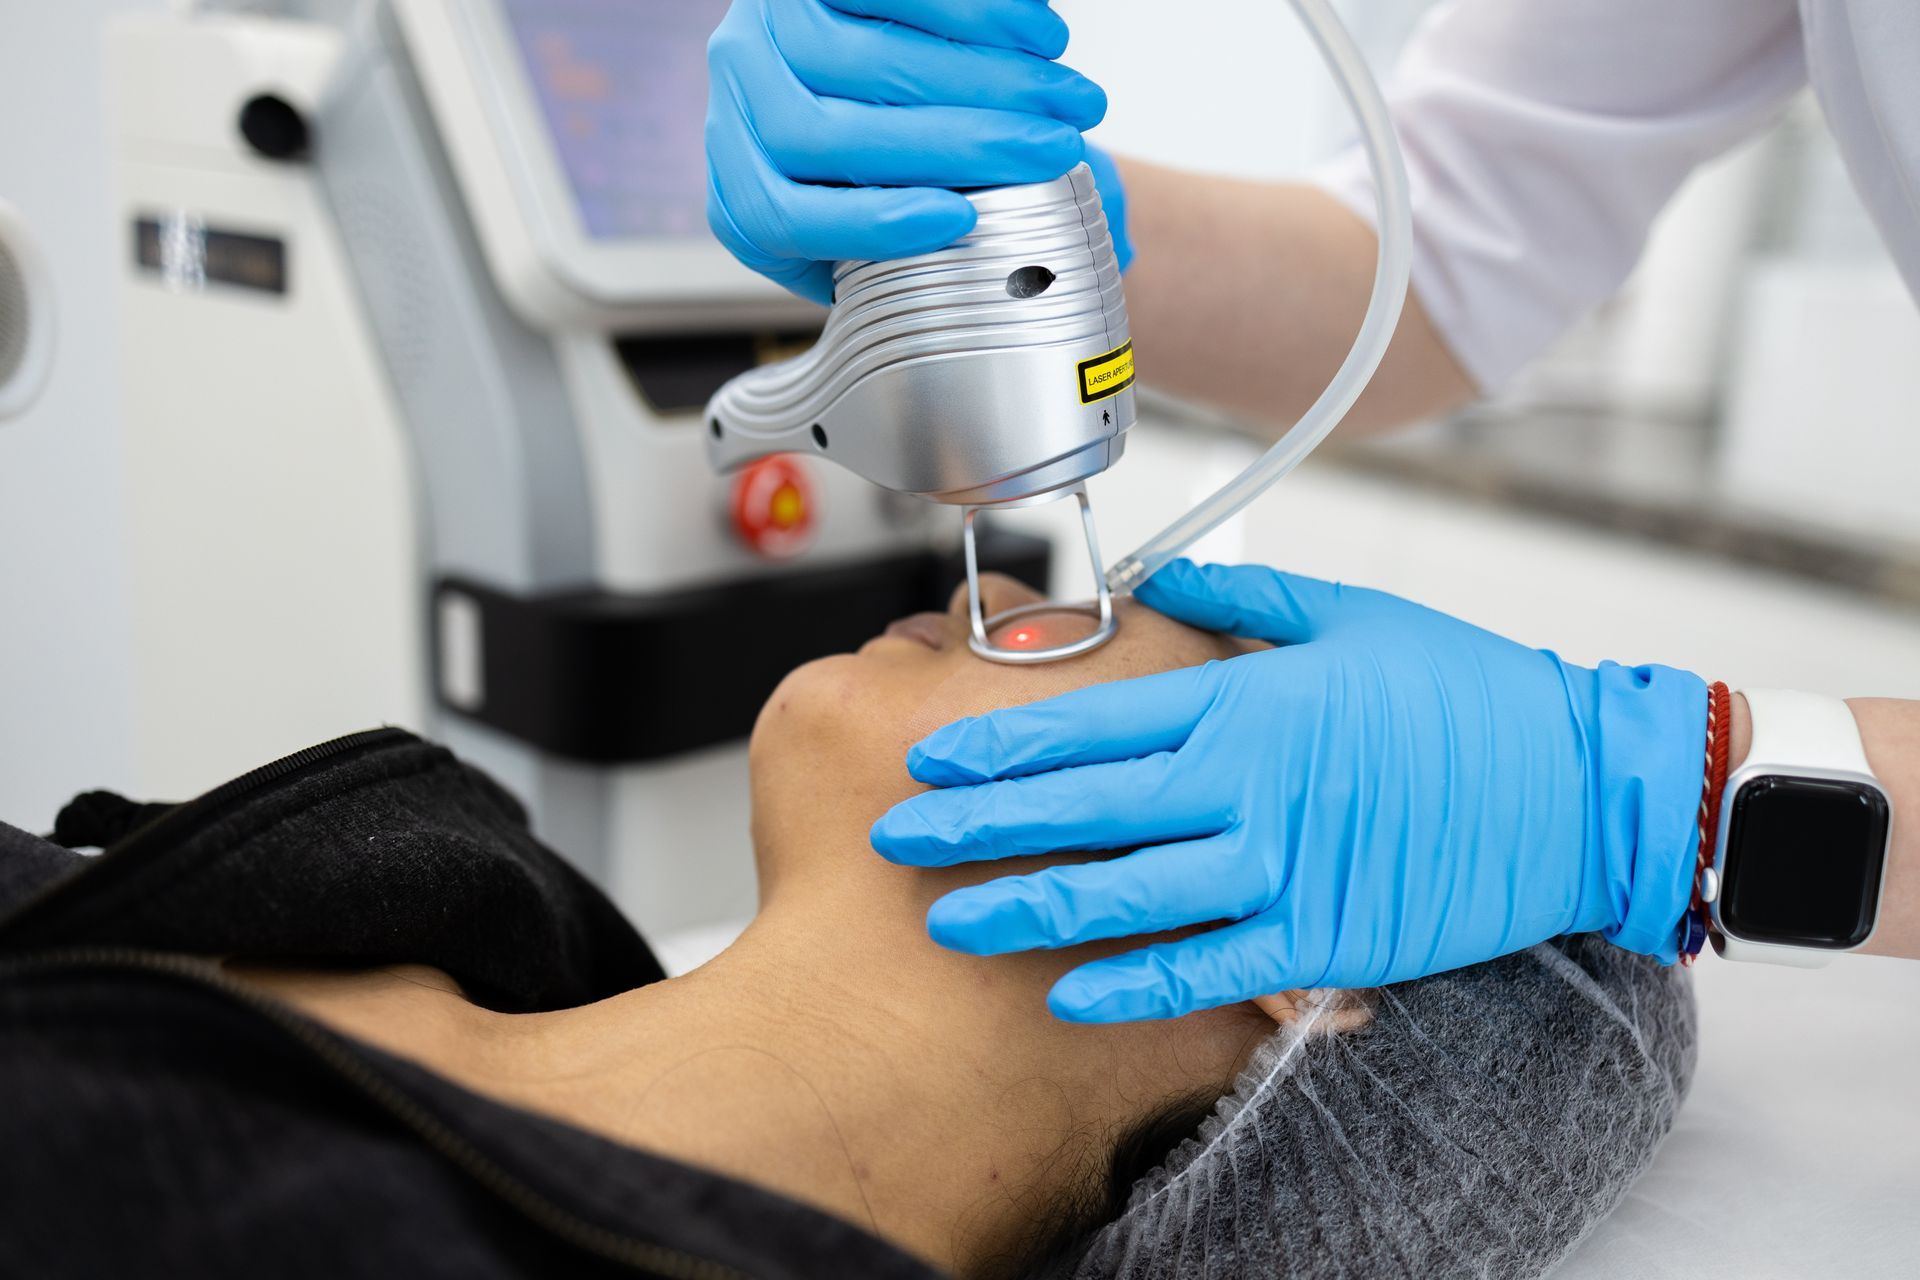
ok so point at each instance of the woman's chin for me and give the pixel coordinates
(814, 703)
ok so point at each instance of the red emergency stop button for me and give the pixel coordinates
(773, 506)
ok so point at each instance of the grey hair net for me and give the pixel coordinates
(1479, 1125)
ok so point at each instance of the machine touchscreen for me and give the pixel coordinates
(622, 87)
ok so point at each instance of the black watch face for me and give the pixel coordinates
(1803, 861)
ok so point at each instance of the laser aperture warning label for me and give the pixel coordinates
(1106, 375)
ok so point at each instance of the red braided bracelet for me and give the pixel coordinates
(1693, 929)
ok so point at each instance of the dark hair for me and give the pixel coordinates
(1063, 1235)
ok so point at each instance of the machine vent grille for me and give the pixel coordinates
(16, 316)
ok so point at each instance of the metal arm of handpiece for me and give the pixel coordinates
(1391, 274)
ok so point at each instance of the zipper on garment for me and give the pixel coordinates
(132, 855)
(173, 825)
(639, 1255)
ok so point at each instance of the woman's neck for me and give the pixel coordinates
(836, 1055)
(839, 1056)
(824, 1072)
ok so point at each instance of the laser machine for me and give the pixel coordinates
(420, 312)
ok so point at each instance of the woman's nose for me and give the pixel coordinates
(998, 593)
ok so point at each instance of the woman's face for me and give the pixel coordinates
(834, 736)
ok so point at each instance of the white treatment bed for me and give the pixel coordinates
(1798, 1153)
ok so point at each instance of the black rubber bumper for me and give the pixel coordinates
(606, 678)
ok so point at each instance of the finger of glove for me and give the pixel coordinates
(1243, 600)
(1171, 979)
(1148, 891)
(786, 229)
(857, 144)
(1101, 723)
(840, 57)
(814, 228)
(1027, 25)
(810, 280)
(1104, 806)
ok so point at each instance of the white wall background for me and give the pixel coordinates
(65, 673)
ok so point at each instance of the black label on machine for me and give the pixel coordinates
(189, 255)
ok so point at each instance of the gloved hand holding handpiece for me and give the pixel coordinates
(1387, 793)
(842, 129)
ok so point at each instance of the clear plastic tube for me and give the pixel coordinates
(1395, 263)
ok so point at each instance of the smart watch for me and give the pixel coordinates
(1801, 850)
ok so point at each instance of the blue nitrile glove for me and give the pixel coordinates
(1390, 793)
(841, 128)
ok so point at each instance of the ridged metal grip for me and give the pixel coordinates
(950, 375)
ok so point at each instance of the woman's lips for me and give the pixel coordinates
(929, 629)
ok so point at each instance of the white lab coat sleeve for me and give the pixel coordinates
(1542, 138)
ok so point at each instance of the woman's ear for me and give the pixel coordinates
(1336, 1011)
(1282, 1008)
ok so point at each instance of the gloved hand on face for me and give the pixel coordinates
(1388, 793)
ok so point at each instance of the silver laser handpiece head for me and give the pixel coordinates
(995, 372)
(992, 371)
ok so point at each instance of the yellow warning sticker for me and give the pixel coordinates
(1106, 375)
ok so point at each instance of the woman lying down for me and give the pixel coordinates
(345, 1016)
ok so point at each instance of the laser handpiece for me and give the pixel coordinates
(996, 372)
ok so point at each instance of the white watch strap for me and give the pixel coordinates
(1803, 731)
(1731, 948)
(1793, 732)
